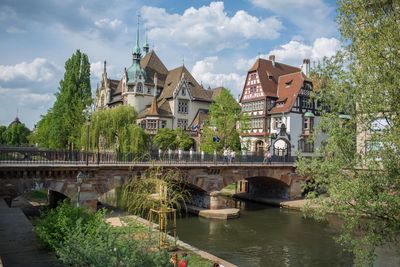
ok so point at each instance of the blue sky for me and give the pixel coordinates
(217, 40)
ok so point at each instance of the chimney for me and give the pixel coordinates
(272, 58)
(306, 66)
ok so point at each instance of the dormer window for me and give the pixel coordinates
(288, 83)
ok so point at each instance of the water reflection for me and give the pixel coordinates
(265, 236)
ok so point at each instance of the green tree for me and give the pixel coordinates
(361, 84)
(3, 128)
(61, 126)
(172, 139)
(114, 128)
(223, 118)
(16, 134)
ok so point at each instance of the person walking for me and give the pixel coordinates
(269, 157)
(226, 156)
(233, 156)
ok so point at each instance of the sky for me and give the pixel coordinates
(218, 41)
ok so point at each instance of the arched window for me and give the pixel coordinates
(183, 91)
(139, 88)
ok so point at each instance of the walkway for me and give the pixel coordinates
(18, 243)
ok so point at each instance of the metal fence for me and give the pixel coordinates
(56, 157)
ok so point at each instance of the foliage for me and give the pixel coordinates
(3, 128)
(115, 129)
(61, 126)
(362, 179)
(53, 224)
(157, 188)
(223, 119)
(16, 134)
(172, 139)
(80, 238)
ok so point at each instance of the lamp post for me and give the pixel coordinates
(87, 140)
(79, 180)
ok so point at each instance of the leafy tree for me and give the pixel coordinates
(223, 119)
(114, 128)
(61, 126)
(362, 179)
(16, 134)
(172, 139)
(3, 128)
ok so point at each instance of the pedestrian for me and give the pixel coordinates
(184, 261)
(226, 156)
(269, 157)
(229, 155)
(233, 156)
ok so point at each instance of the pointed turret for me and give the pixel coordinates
(135, 71)
(146, 46)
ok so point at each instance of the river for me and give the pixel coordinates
(266, 236)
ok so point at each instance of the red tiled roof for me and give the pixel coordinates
(265, 68)
(288, 88)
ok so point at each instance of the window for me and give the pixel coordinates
(148, 90)
(252, 90)
(139, 88)
(257, 123)
(306, 124)
(151, 124)
(143, 124)
(183, 91)
(276, 123)
(288, 83)
(306, 146)
(306, 103)
(163, 124)
(182, 124)
(183, 106)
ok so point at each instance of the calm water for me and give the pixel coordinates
(266, 236)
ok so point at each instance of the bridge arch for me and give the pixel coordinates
(268, 187)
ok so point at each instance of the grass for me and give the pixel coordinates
(36, 195)
(196, 260)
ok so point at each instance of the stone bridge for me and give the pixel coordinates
(276, 180)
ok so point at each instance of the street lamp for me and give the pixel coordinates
(79, 180)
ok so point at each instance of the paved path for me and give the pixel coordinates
(18, 243)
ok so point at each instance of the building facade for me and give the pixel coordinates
(276, 97)
(163, 98)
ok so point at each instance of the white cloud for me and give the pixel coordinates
(313, 17)
(208, 27)
(39, 70)
(203, 71)
(294, 52)
(106, 23)
(30, 105)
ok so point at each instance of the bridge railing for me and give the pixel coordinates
(40, 156)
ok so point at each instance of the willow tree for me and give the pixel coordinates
(158, 190)
(115, 130)
(360, 164)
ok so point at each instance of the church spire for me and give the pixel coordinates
(146, 46)
(136, 51)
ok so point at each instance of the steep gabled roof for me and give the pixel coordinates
(288, 89)
(163, 109)
(151, 63)
(269, 74)
(174, 77)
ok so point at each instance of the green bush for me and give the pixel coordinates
(81, 238)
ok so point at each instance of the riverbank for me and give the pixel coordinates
(118, 221)
(18, 243)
